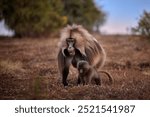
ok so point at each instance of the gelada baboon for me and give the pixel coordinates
(76, 40)
(89, 75)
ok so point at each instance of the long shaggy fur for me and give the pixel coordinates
(85, 42)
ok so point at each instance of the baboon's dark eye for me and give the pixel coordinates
(70, 40)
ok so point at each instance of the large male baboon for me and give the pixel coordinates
(76, 40)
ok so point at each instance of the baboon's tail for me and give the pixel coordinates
(109, 76)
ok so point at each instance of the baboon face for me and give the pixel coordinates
(71, 46)
(83, 67)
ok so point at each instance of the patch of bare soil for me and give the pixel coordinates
(28, 70)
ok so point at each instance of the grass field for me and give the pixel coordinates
(28, 70)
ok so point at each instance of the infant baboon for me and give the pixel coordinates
(87, 74)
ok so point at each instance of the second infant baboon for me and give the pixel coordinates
(87, 74)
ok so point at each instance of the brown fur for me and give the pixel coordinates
(85, 43)
(109, 76)
(87, 74)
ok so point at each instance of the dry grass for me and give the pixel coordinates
(28, 70)
(9, 67)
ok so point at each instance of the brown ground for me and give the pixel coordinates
(28, 70)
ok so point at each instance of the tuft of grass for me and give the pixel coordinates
(37, 87)
(10, 67)
(40, 87)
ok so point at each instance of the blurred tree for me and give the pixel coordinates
(1, 10)
(143, 27)
(36, 17)
(83, 12)
(32, 17)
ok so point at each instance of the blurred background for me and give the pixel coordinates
(38, 17)
(29, 32)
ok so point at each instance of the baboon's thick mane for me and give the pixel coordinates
(85, 42)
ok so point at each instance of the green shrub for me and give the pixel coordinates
(143, 27)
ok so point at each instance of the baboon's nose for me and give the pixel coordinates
(70, 48)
